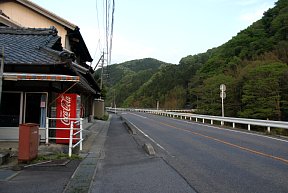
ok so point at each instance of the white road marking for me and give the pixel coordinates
(149, 137)
(138, 115)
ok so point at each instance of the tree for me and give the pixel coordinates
(261, 97)
(208, 95)
(284, 95)
(175, 98)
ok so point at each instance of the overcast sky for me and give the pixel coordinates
(163, 29)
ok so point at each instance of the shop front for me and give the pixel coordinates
(30, 98)
(36, 71)
(21, 107)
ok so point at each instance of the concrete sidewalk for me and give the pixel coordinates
(92, 152)
(127, 168)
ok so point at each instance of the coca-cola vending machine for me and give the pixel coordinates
(68, 106)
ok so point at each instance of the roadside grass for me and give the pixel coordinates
(58, 156)
(104, 118)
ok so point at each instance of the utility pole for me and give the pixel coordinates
(157, 105)
(114, 102)
(102, 70)
(1, 73)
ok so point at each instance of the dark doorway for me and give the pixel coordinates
(10, 109)
(33, 110)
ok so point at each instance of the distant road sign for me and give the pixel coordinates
(223, 87)
(223, 94)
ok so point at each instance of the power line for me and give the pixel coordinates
(97, 15)
(98, 33)
(108, 27)
(111, 35)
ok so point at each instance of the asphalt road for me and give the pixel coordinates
(218, 160)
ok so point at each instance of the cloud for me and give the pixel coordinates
(247, 2)
(255, 13)
(125, 50)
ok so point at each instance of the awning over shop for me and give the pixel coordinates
(49, 77)
(41, 77)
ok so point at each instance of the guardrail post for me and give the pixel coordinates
(233, 125)
(203, 120)
(190, 118)
(71, 139)
(211, 122)
(249, 127)
(196, 119)
(222, 123)
(47, 131)
(268, 129)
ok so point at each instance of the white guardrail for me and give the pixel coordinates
(75, 133)
(188, 116)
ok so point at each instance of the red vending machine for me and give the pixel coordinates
(68, 106)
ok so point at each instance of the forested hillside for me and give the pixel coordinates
(127, 78)
(253, 65)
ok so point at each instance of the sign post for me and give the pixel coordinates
(223, 96)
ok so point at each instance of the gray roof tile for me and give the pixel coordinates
(30, 45)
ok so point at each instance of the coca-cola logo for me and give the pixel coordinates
(65, 110)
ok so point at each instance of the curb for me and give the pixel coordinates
(130, 127)
(149, 149)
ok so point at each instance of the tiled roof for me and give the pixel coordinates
(30, 45)
(38, 46)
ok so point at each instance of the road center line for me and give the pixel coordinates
(228, 143)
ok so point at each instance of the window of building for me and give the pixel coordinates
(10, 109)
